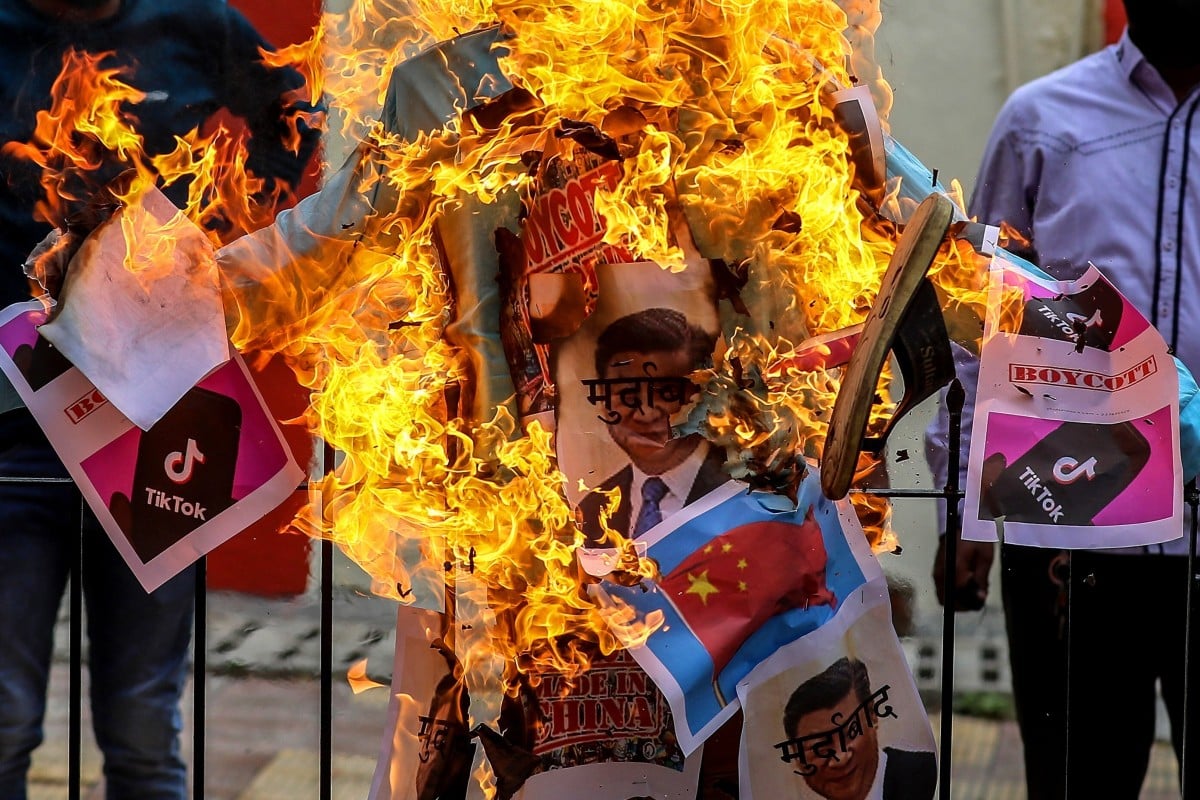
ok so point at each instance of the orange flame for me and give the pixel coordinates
(733, 152)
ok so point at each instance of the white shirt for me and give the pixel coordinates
(679, 485)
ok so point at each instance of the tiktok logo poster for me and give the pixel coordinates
(214, 464)
(187, 469)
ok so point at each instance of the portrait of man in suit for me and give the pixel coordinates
(642, 365)
(832, 721)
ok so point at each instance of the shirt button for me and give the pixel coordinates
(1168, 246)
(1173, 182)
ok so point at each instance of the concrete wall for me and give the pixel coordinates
(951, 66)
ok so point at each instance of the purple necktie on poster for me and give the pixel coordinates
(653, 491)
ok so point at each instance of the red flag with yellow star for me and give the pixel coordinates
(727, 589)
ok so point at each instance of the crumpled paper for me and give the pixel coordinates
(140, 312)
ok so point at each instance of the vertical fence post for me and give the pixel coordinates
(75, 699)
(199, 676)
(955, 398)
(327, 656)
(1188, 757)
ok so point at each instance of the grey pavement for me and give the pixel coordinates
(262, 709)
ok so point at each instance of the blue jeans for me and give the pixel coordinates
(138, 643)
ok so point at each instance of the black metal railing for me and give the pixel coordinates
(951, 493)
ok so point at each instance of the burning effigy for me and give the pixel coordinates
(597, 314)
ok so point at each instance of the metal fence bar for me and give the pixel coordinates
(326, 669)
(1188, 758)
(199, 676)
(952, 493)
(955, 398)
(75, 700)
(326, 776)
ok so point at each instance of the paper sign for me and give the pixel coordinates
(427, 750)
(1076, 426)
(738, 582)
(212, 465)
(837, 714)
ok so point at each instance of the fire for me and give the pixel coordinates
(721, 113)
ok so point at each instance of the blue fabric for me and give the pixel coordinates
(137, 643)
(916, 179)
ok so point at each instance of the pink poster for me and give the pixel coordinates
(1076, 428)
(211, 466)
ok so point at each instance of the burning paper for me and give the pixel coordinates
(1076, 432)
(209, 467)
(569, 170)
(140, 312)
(427, 751)
(738, 582)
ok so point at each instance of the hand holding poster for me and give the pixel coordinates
(1076, 441)
(210, 466)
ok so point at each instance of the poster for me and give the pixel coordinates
(427, 751)
(1076, 425)
(621, 378)
(212, 465)
(608, 736)
(837, 714)
(739, 580)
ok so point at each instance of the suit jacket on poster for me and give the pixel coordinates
(909, 774)
(710, 476)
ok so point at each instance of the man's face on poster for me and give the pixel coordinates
(641, 424)
(851, 774)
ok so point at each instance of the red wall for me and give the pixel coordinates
(262, 559)
(1114, 20)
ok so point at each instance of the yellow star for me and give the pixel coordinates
(708, 549)
(742, 587)
(742, 564)
(701, 586)
(725, 548)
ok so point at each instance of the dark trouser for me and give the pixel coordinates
(138, 643)
(1084, 671)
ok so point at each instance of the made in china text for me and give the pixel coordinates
(603, 704)
(1082, 379)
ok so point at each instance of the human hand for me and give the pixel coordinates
(972, 565)
(47, 263)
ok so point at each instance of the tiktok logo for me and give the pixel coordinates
(179, 466)
(1069, 470)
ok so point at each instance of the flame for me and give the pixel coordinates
(356, 676)
(733, 136)
(722, 113)
(88, 136)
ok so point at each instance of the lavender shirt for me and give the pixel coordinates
(1099, 162)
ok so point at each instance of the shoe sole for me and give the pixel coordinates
(914, 255)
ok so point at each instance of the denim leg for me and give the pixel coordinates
(138, 663)
(38, 538)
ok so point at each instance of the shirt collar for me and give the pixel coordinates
(1143, 75)
(678, 480)
(1129, 56)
